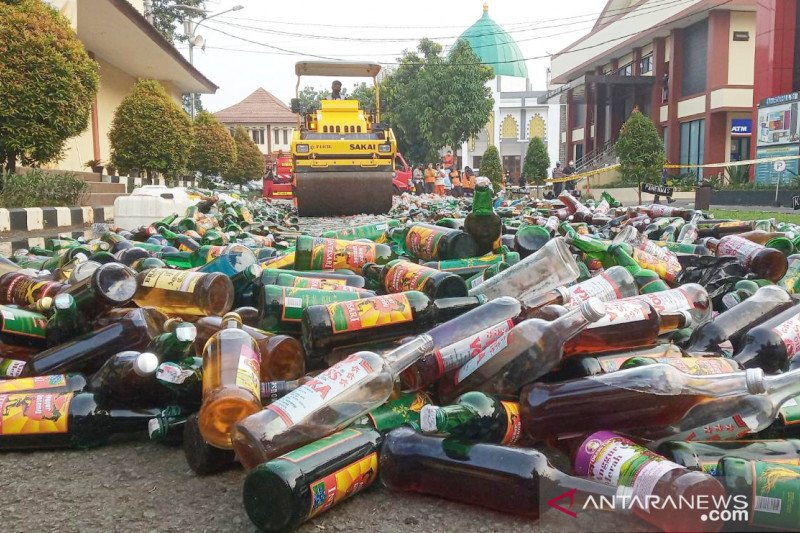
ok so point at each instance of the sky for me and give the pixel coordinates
(258, 45)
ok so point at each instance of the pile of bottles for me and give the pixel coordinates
(526, 349)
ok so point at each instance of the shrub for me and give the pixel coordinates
(492, 168)
(150, 131)
(47, 83)
(38, 188)
(213, 150)
(536, 162)
(249, 164)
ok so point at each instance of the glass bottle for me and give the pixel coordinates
(506, 479)
(733, 324)
(269, 276)
(575, 208)
(272, 390)
(317, 253)
(791, 280)
(402, 410)
(127, 379)
(401, 276)
(533, 277)
(325, 472)
(54, 383)
(374, 232)
(110, 286)
(689, 297)
(379, 318)
(184, 293)
(475, 417)
(528, 351)
(326, 284)
(176, 341)
(21, 289)
(483, 224)
(770, 490)
(22, 333)
(704, 455)
(434, 243)
(231, 368)
(646, 280)
(611, 284)
(629, 235)
(203, 458)
(281, 308)
(62, 420)
(473, 265)
(695, 366)
(637, 474)
(585, 366)
(766, 263)
(771, 344)
(658, 402)
(184, 379)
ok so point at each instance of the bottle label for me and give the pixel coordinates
(671, 301)
(319, 283)
(666, 270)
(11, 368)
(24, 323)
(660, 210)
(407, 276)
(729, 428)
(272, 390)
(340, 485)
(33, 384)
(23, 289)
(173, 373)
(601, 286)
(615, 461)
(479, 360)
(33, 413)
(789, 412)
(295, 300)
(423, 242)
(248, 371)
(370, 312)
(454, 355)
(323, 389)
(477, 280)
(742, 249)
(776, 495)
(397, 412)
(513, 423)
(622, 312)
(731, 300)
(700, 366)
(789, 333)
(333, 253)
(172, 280)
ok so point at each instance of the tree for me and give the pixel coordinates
(47, 83)
(492, 168)
(435, 100)
(536, 162)
(365, 94)
(640, 151)
(249, 163)
(150, 131)
(186, 103)
(166, 15)
(213, 150)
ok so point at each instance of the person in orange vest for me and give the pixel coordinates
(438, 188)
(448, 161)
(468, 183)
(455, 179)
(430, 178)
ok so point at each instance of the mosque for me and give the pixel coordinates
(516, 117)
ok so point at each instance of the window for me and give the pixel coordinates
(277, 136)
(258, 136)
(626, 70)
(664, 137)
(646, 64)
(692, 137)
(579, 115)
(286, 136)
(476, 161)
(695, 52)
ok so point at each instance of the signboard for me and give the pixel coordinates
(660, 190)
(741, 36)
(779, 166)
(795, 202)
(741, 127)
(777, 133)
(766, 173)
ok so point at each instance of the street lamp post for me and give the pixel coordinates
(190, 27)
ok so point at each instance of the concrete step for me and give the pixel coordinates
(100, 199)
(90, 177)
(96, 187)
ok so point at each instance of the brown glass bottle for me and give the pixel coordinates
(282, 356)
(722, 229)
(380, 318)
(22, 289)
(585, 366)
(184, 293)
(767, 263)
(203, 458)
(400, 276)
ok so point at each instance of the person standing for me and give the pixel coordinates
(430, 178)
(417, 180)
(558, 173)
(455, 178)
(438, 181)
(448, 161)
(468, 182)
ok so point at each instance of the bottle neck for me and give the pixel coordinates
(446, 419)
(409, 353)
(447, 308)
(782, 387)
(568, 325)
(482, 202)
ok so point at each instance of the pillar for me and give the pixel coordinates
(588, 118)
(659, 68)
(570, 124)
(716, 123)
(675, 77)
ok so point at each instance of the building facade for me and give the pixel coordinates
(268, 120)
(517, 116)
(689, 66)
(135, 51)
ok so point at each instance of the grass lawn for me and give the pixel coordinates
(756, 215)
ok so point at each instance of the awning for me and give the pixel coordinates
(578, 85)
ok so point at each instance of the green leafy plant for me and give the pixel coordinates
(492, 168)
(40, 188)
(249, 163)
(47, 83)
(213, 150)
(536, 162)
(150, 131)
(738, 175)
(640, 151)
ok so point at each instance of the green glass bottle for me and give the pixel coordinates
(781, 243)
(66, 322)
(475, 417)
(646, 280)
(482, 223)
(666, 270)
(374, 232)
(185, 379)
(175, 343)
(528, 239)
(470, 266)
(22, 333)
(200, 257)
(402, 410)
(269, 276)
(324, 283)
(486, 274)
(434, 243)
(281, 308)
(316, 253)
(245, 286)
(705, 455)
(591, 247)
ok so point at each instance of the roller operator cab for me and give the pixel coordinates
(342, 156)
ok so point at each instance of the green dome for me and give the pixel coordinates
(495, 47)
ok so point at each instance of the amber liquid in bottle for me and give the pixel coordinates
(184, 293)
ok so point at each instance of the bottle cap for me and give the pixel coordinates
(186, 332)
(593, 309)
(63, 301)
(566, 296)
(146, 364)
(427, 418)
(754, 378)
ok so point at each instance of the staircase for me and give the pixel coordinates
(599, 157)
(101, 193)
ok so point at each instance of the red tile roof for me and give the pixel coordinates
(260, 107)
